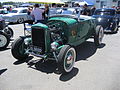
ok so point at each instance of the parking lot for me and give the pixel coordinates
(95, 69)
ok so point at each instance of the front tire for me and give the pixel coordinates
(66, 59)
(4, 40)
(115, 27)
(98, 36)
(18, 49)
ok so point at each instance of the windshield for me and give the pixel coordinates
(104, 13)
(14, 11)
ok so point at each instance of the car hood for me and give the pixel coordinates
(68, 21)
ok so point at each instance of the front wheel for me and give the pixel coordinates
(98, 36)
(4, 40)
(66, 59)
(18, 49)
(115, 27)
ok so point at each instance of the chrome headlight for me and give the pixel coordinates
(99, 19)
(54, 45)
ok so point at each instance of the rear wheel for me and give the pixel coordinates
(20, 20)
(98, 36)
(9, 32)
(66, 59)
(4, 40)
(18, 49)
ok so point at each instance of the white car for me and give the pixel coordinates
(18, 15)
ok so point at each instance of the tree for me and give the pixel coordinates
(0, 5)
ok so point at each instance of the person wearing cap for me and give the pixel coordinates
(86, 10)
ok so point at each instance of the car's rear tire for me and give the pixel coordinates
(98, 36)
(4, 40)
(18, 49)
(20, 20)
(9, 32)
(66, 59)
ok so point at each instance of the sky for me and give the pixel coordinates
(33, 0)
(4, 0)
(13, 0)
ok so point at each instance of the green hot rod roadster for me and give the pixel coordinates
(56, 39)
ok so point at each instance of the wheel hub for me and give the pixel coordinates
(3, 41)
(69, 59)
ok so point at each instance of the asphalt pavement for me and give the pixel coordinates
(95, 68)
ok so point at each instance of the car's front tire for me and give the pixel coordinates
(98, 36)
(4, 40)
(115, 28)
(66, 59)
(18, 49)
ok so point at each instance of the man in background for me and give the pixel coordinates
(37, 14)
(86, 10)
(53, 9)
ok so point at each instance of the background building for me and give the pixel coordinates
(106, 3)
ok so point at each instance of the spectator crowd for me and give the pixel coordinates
(41, 14)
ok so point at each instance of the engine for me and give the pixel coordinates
(46, 39)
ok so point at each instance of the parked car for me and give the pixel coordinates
(107, 18)
(57, 39)
(3, 11)
(17, 15)
(4, 27)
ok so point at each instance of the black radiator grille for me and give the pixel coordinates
(38, 38)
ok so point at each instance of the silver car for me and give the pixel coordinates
(18, 15)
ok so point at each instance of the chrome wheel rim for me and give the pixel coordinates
(3, 40)
(69, 59)
(101, 35)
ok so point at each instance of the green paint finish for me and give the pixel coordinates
(40, 25)
(60, 47)
(47, 41)
(69, 21)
